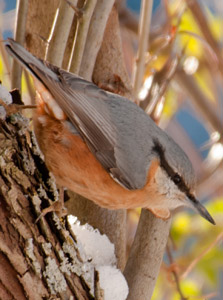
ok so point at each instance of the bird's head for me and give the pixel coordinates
(175, 178)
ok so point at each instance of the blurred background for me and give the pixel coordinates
(182, 91)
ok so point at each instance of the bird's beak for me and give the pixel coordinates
(201, 209)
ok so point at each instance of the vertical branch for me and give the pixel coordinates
(80, 39)
(146, 255)
(175, 274)
(202, 22)
(21, 15)
(60, 33)
(199, 99)
(95, 37)
(144, 28)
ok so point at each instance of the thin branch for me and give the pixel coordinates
(83, 24)
(95, 37)
(202, 22)
(144, 29)
(208, 49)
(160, 84)
(197, 259)
(21, 15)
(211, 296)
(60, 32)
(175, 274)
(146, 255)
(199, 99)
(78, 11)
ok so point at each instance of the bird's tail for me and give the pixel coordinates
(27, 60)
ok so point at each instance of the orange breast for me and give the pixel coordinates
(75, 167)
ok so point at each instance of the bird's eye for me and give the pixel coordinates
(176, 178)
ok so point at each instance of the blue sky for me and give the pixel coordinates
(8, 4)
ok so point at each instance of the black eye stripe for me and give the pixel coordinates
(175, 177)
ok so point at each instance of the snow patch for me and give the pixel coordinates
(112, 281)
(96, 249)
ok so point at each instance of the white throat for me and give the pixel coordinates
(169, 190)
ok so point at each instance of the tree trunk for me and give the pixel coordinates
(31, 254)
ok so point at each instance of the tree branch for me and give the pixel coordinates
(199, 99)
(144, 28)
(79, 41)
(146, 255)
(59, 33)
(95, 37)
(21, 15)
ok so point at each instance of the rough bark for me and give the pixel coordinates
(31, 255)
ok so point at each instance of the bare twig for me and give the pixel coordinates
(175, 274)
(160, 84)
(209, 50)
(197, 259)
(21, 14)
(199, 99)
(80, 38)
(210, 296)
(202, 22)
(144, 28)
(146, 255)
(59, 33)
(95, 36)
(15, 108)
(78, 11)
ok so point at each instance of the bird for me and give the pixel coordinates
(105, 147)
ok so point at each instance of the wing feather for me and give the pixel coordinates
(91, 111)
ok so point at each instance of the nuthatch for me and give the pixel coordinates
(104, 147)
